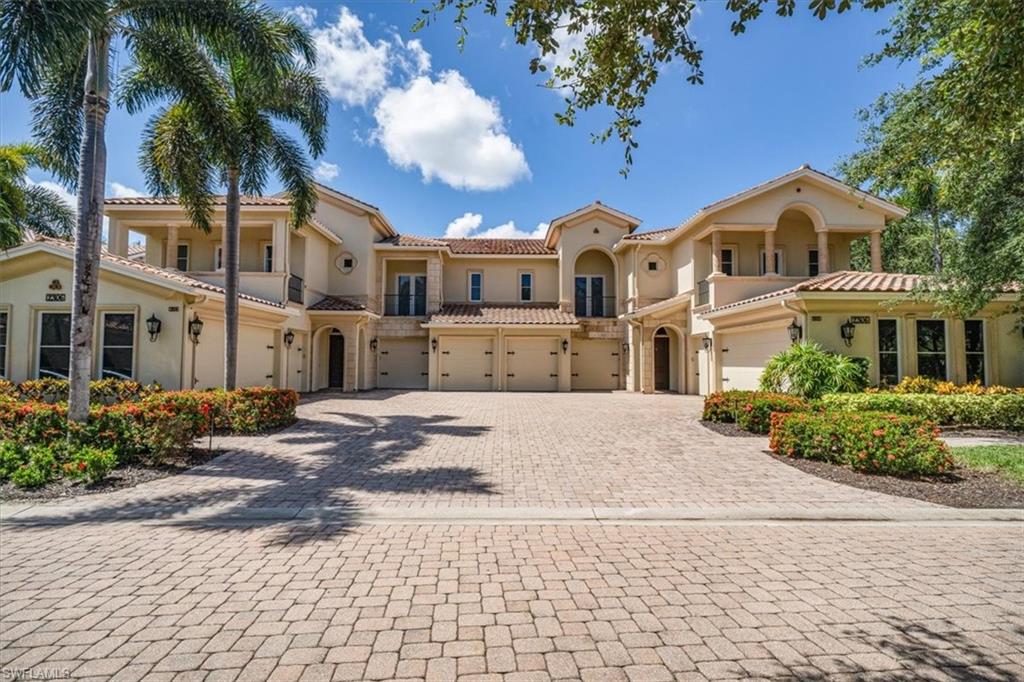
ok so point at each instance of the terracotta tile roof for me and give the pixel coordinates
(841, 282)
(169, 275)
(465, 313)
(218, 200)
(471, 246)
(653, 234)
(337, 303)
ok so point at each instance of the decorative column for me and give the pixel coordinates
(823, 264)
(769, 253)
(716, 253)
(117, 238)
(171, 249)
(280, 245)
(434, 283)
(876, 251)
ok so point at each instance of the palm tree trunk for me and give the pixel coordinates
(92, 173)
(231, 248)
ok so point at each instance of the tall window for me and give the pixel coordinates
(728, 261)
(268, 258)
(3, 344)
(476, 287)
(118, 346)
(181, 258)
(218, 257)
(812, 265)
(590, 299)
(54, 345)
(888, 353)
(412, 294)
(778, 262)
(931, 349)
(974, 345)
(526, 286)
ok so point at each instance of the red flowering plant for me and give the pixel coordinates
(755, 416)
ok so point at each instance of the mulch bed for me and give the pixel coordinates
(127, 476)
(731, 430)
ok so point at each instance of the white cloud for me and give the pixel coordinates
(325, 172)
(463, 225)
(354, 70)
(122, 191)
(449, 132)
(302, 14)
(58, 189)
(411, 56)
(467, 225)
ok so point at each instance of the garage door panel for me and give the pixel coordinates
(744, 355)
(467, 363)
(595, 364)
(532, 363)
(403, 363)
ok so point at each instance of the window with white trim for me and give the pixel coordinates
(476, 287)
(268, 256)
(3, 343)
(117, 354)
(728, 261)
(931, 349)
(974, 348)
(218, 257)
(888, 352)
(526, 287)
(778, 262)
(182, 257)
(54, 353)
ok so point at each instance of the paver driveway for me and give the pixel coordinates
(402, 450)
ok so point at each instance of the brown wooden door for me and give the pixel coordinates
(336, 362)
(661, 363)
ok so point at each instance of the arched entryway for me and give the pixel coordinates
(328, 370)
(667, 357)
(594, 278)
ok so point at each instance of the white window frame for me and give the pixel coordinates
(218, 257)
(984, 349)
(103, 340)
(734, 251)
(5, 365)
(266, 259)
(39, 342)
(817, 264)
(413, 290)
(899, 347)
(188, 257)
(469, 286)
(780, 263)
(917, 352)
(589, 307)
(519, 286)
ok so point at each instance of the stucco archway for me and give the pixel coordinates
(668, 359)
(322, 359)
(588, 297)
(808, 209)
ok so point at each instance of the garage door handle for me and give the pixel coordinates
(725, 378)
(576, 354)
(424, 352)
(615, 355)
(424, 374)
(510, 375)
(270, 376)
(725, 350)
(383, 374)
(614, 374)
(446, 352)
(554, 352)
(444, 374)
(510, 352)
(383, 352)
(488, 352)
(488, 375)
(553, 375)
(575, 374)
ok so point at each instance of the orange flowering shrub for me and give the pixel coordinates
(929, 385)
(755, 416)
(873, 442)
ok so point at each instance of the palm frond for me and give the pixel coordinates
(57, 115)
(300, 98)
(47, 213)
(289, 160)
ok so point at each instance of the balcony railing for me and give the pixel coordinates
(703, 292)
(294, 289)
(409, 305)
(595, 306)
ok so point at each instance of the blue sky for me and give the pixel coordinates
(467, 142)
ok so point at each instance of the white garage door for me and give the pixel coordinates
(532, 363)
(595, 364)
(402, 363)
(467, 363)
(744, 354)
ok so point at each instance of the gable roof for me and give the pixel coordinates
(555, 226)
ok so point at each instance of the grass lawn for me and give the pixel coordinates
(1007, 460)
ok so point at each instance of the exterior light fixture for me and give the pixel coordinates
(289, 338)
(153, 325)
(195, 328)
(565, 345)
(796, 332)
(706, 342)
(373, 344)
(433, 344)
(625, 347)
(846, 330)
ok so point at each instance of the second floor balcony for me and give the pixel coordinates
(595, 306)
(406, 305)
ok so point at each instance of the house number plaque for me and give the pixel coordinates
(56, 298)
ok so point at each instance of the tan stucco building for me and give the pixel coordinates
(348, 303)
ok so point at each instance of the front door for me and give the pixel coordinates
(336, 362)
(661, 363)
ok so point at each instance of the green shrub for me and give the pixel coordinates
(920, 384)
(89, 463)
(807, 370)
(12, 456)
(993, 411)
(105, 391)
(755, 416)
(39, 468)
(873, 442)
(7, 389)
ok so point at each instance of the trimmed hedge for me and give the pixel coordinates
(994, 411)
(899, 445)
(920, 384)
(756, 415)
(106, 391)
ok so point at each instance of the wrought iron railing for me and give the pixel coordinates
(408, 305)
(295, 289)
(595, 306)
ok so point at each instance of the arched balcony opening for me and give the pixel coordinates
(594, 284)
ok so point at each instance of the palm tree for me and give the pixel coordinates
(26, 206)
(59, 52)
(228, 137)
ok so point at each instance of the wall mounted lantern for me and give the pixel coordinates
(289, 338)
(565, 345)
(706, 342)
(195, 328)
(153, 325)
(373, 344)
(433, 344)
(846, 330)
(796, 332)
